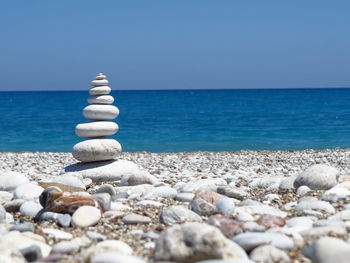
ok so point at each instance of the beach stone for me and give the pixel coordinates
(86, 216)
(23, 227)
(95, 236)
(30, 208)
(101, 112)
(191, 242)
(268, 183)
(5, 197)
(328, 250)
(69, 180)
(104, 200)
(9, 181)
(117, 206)
(107, 246)
(106, 188)
(113, 257)
(209, 196)
(176, 214)
(96, 129)
(260, 209)
(94, 150)
(184, 197)
(64, 220)
(225, 206)
(65, 247)
(227, 226)
(269, 254)
(104, 171)
(301, 222)
(324, 231)
(335, 194)
(318, 177)
(315, 205)
(102, 90)
(202, 207)
(14, 205)
(303, 190)
(287, 183)
(251, 240)
(269, 221)
(150, 235)
(54, 200)
(135, 219)
(201, 185)
(99, 82)
(31, 253)
(27, 191)
(57, 234)
(102, 99)
(16, 241)
(100, 76)
(137, 179)
(233, 192)
(2, 214)
(149, 203)
(161, 192)
(341, 215)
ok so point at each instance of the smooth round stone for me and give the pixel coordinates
(86, 216)
(102, 99)
(318, 177)
(23, 227)
(96, 129)
(30, 208)
(96, 150)
(28, 191)
(10, 180)
(102, 90)
(101, 112)
(225, 206)
(106, 188)
(5, 197)
(176, 214)
(58, 234)
(100, 76)
(184, 197)
(251, 240)
(99, 82)
(136, 219)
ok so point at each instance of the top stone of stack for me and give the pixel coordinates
(100, 86)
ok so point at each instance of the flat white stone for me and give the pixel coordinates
(106, 171)
(59, 234)
(10, 180)
(102, 99)
(96, 129)
(102, 90)
(101, 112)
(99, 82)
(30, 208)
(86, 216)
(94, 150)
(28, 191)
(100, 76)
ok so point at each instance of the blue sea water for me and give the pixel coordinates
(189, 120)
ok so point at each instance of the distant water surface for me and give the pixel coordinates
(190, 120)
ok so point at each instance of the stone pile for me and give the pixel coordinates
(98, 147)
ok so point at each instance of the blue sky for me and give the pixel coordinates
(182, 44)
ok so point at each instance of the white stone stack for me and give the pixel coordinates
(100, 111)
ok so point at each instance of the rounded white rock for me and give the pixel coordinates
(100, 76)
(102, 99)
(99, 82)
(94, 150)
(101, 90)
(96, 129)
(86, 216)
(101, 112)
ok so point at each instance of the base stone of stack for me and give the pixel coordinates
(94, 150)
(105, 171)
(101, 112)
(96, 129)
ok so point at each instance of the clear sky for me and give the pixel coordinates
(174, 44)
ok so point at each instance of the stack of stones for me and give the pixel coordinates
(100, 111)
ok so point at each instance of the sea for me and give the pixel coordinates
(184, 120)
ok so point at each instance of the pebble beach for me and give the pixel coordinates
(246, 206)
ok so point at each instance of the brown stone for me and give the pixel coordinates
(209, 196)
(228, 226)
(271, 221)
(66, 202)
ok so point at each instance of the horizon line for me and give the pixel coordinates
(210, 89)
